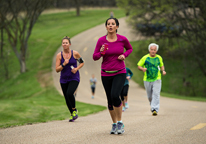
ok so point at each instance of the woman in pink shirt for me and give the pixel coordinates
(111, 48)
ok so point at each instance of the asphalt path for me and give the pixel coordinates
(178, 121)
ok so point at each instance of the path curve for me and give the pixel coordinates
(172, 125)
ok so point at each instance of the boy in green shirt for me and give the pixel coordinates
(151, 64)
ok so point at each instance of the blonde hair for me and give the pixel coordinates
(153, 44)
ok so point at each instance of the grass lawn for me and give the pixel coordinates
(31, 97)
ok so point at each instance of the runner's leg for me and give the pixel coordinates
(148, 88)
(117, 85)
(64, 87)
(107, 84)
(72, 86)
(155, 104)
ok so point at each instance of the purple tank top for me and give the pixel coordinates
(66, 74)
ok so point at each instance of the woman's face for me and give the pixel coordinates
(111, 26)
(153, 51)
(65, 43)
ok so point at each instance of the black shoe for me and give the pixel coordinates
(154, 112)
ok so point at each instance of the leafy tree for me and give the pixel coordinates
(187, 16)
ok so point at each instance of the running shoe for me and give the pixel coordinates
(120, 128)
(126, 105)
(154, 112)
(114, 129)
(123, 108)
(92, 97)
(74, 114)
(71, 119)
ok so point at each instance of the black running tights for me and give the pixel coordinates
(113, 86)
(68, 90)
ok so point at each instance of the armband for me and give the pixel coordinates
(80, 60)
(62, 65)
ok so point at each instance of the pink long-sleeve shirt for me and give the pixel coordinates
(110, 60)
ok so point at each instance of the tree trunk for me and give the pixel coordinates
(5, 63)
(77, 2)
(2, 42)
(23, 65)
(78, 11)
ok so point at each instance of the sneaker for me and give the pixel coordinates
(120, 128)
(74, 114)
(123, 109)
(114, 129)
(126, 105)
(92, 97)
(71, 119)
(154, 112)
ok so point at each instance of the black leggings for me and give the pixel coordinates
(68, 90)
(113, 86)
(93, 89)
(124, 91)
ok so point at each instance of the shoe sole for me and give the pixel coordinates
(113, 132)
(120, 132)
(75, 117)
(154, 113)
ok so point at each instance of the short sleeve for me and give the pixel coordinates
(161, 61)
(141, 61)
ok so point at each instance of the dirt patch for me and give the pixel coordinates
(44, 78)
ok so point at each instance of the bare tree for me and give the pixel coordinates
(19, 18)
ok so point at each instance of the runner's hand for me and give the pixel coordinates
(144, 69)
(102, 48)
(128, 77)
(66, 62)
(121, 57)
(74, 70)
(164, 72)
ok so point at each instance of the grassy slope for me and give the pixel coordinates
(31, 97)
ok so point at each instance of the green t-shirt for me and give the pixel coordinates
(153, 65)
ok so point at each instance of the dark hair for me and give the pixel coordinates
(68, 38)
(116, 21)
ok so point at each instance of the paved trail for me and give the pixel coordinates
(171, 126)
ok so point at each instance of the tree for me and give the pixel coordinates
(19, 18)
(188, 16)
(3, 57)
(77, 4)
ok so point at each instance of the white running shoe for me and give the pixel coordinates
(114, 129)
(120, 128)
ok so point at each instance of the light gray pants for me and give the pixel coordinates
(153, 93)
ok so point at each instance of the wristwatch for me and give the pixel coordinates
(62, 65)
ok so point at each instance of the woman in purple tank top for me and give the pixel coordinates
(66, 63)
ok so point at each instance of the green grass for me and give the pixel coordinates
(182, 97)
(31, 97)
(172, 82)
